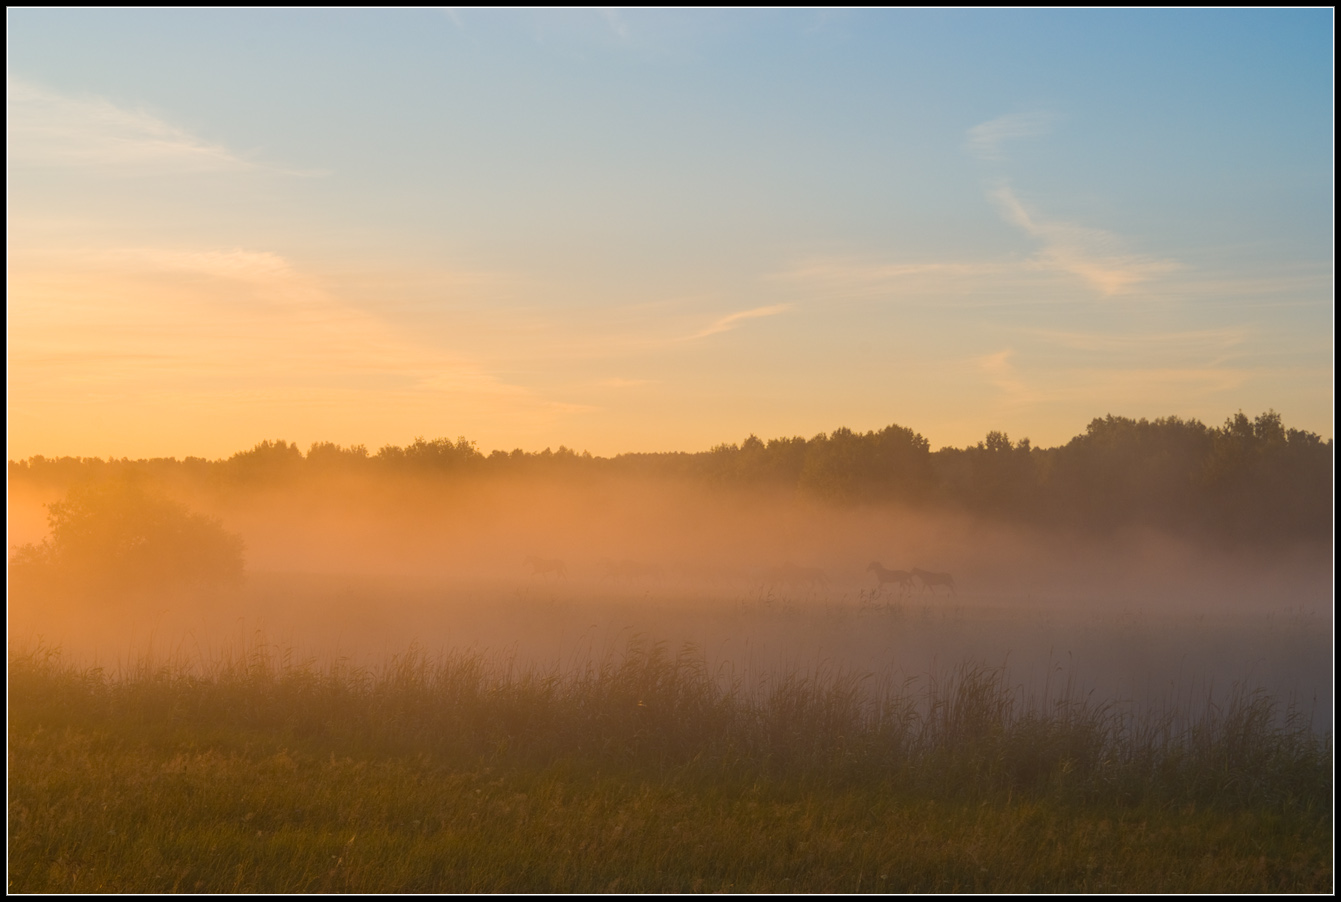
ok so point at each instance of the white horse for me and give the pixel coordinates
(902, 578)
(931, 580)
(547, 566)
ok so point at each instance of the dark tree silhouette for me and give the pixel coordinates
(1125, 471)
(1262, 479)
(117, 537)
(1250, 480)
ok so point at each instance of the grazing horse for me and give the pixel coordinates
(541, 565)
(903, 578)
(931, 580)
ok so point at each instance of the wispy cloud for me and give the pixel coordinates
(857, 278)
(50, 129)
(1096, 256)
(1293, 284)
(732, 320)
(1092, 254)
(234, 315)
(1067, 251)
(1208, 341)
(1000, 372)
(1118, 382)
(1154, 382)
(985, 140)
(238, 263)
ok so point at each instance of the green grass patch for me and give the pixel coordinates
(642, 773)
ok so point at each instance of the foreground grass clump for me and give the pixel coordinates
(642, 773)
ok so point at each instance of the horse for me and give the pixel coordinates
(541, 565)
(931, 580)
(903, 578)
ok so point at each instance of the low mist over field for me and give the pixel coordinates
(762, 556)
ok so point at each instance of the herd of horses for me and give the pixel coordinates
(785, 576)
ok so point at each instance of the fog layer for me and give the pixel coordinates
(550, 571)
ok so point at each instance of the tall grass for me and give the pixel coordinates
(968, 734)
(645, 771)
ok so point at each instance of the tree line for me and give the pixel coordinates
(1249, 479)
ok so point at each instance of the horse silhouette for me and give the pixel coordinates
(931, 580)
(902, 578)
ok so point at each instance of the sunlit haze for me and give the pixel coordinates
(656, 231)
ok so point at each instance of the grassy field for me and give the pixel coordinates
(644, 771)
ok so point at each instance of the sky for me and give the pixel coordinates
(660, 230)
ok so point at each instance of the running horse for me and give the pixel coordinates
(902, 578)
(931, 580)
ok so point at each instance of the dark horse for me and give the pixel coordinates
(931, 580)
(902, 578)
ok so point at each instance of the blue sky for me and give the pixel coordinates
(632, 230)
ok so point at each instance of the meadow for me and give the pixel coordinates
(714, 693)
(776, 743)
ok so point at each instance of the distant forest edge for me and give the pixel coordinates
(1250, 479)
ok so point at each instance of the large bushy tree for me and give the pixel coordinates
(118, 537)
